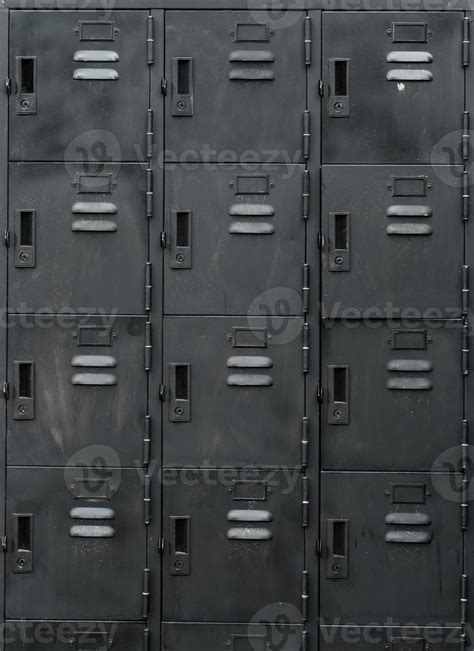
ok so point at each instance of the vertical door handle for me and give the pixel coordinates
(338, 549)
(182, 79)
(26, 85)
(180, 249)
(180, 545)
(180, 389)
(22, 553)
(339, 241)
(338, 395)
(24, 390)
(25, 238)
(339, 88)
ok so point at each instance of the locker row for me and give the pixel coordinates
(231, 239)
(82, 85)
(247, 531)
(231, 392)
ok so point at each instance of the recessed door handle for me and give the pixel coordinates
(182, 101)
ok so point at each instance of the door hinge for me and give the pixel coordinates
(149, 134)
(465, 349)
(8, 86)
(163, 239)
(307, 41)
(466, 42)
(306, 348)
(304, 595)
(148, 346)
(306, 134)
(146, 593)
(305, 502)
(150, 41)
(464, 470)
(464, 503)
(464, 598)
(147, 499)
(4, 544)
(147, 441)
(466, 196)
(6, 390)
(305, 442)
(306, 288)
(465, 289)
(164, 86)
(6, 237)
(466, 119)
(148, 286)
(319, 395)
(149, 193)
(162, 392)
(305, 194)
(146, 639)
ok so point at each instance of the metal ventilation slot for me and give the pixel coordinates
(251, 65)
(251, 74)
(255, 228)
(409, 57)
(251, 210)
(95, 74)
(409, 211)
(245, 361)
(249, 380)
(409, 537)
(252, 56)
(93, 226)
(409, 75)
(409, 384)
(91, 513)
(94, 379)
(104, 361)
(249, 534)
(96, 56)
(410, 365)
(249, 515)
(91, 531)
(409, 229)
(410, 519)
(94, 208)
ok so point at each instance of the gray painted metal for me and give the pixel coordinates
(361, 502)
(370, 119)
(87, 387)
(393, 394)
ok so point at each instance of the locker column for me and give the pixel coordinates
(392, 335)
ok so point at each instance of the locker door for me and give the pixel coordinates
(382, 535)
(241, 529)
(234, 85)
(392, 394)
(233, 233)
(80, 85)
(234, 391)
(79, 240)
(393, 85)
(393, 241)
(69, 533)
(64, 636)
(76, 382)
